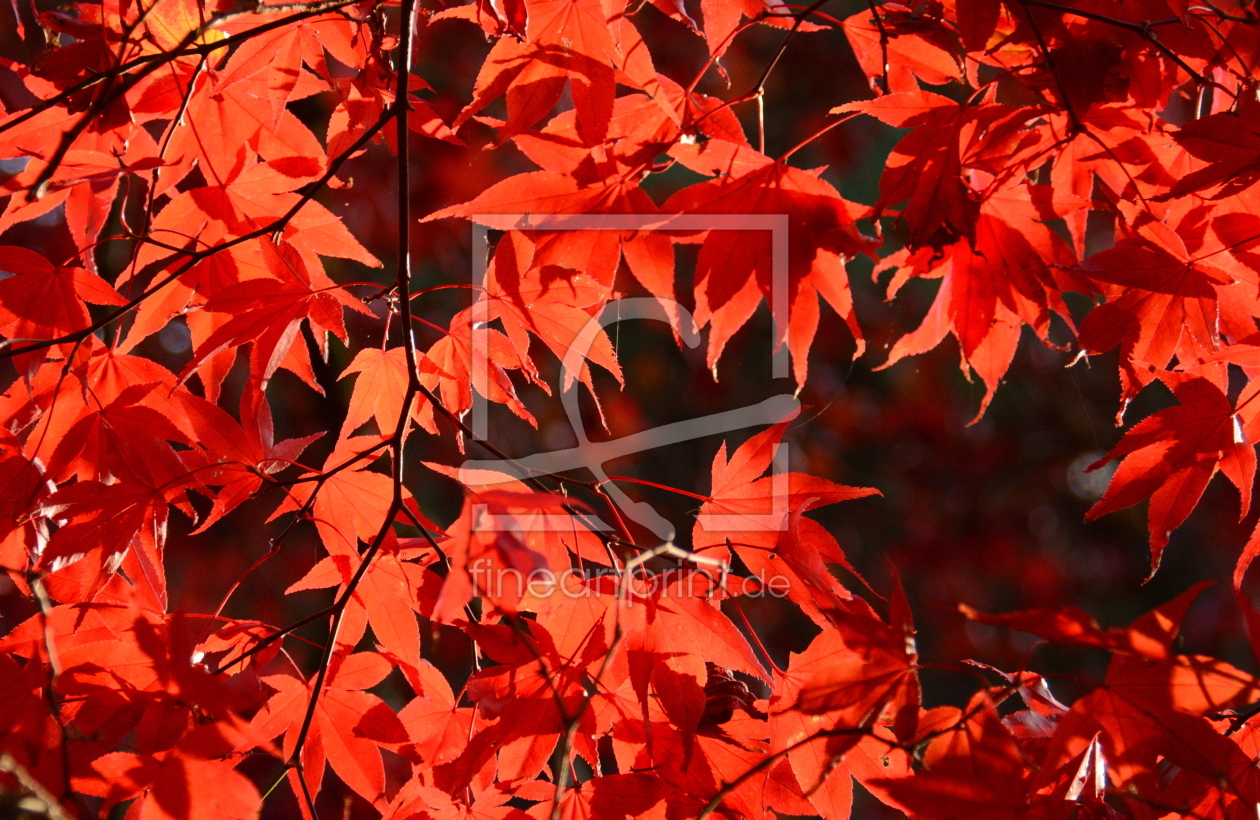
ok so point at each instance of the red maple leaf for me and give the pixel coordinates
(1171, 456)
(762, 520)
(736, 268)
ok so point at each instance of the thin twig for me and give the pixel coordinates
(1075, 121)
(399, 111)
(883, 46)
(184, 49)
(196, 257)
(1144, 30)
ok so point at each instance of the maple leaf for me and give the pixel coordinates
(1162, 301)
(495, 545)
(84, 184)
(249, 195)
(279, 55)
(1117, 149)
(439, 727)
(1150, 636)
(531, 693)
(846, 680)
(591, 251)
(104, 445)
(1144, 660)
(106, 520)
(493, 20)
(725, 766)
(351, 487)
(269, 312)
(736, 268)
(1007, 276)
(233, 457)
(733, 753)
(43, 301)
(903, 45)
(555, 308)
(610, 797)
(350, 725)
(1230, 143)
(565, 41)
(925, 169)
(828, 782)
(22, 486)
(669, 639)
(762, 520)
(722, 19)
(227, 128)
(95, 623)
(454, 371)
(485, 804)
(391, 592)
(1150, 700)
(1134, 732)
(379, 390)
(972, 769)
(1171, 456)
(175, 787)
